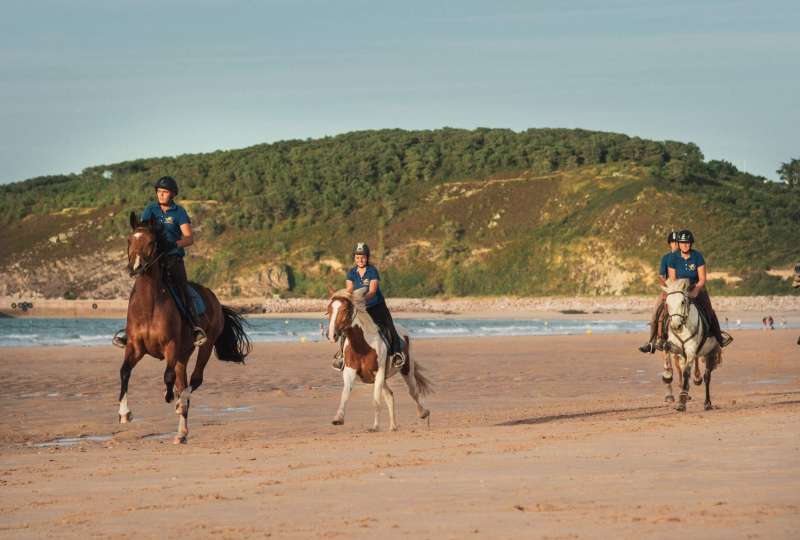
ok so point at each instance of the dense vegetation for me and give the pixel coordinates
(300, 201)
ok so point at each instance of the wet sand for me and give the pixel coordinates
(534, 437)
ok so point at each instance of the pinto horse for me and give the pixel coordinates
(155, 327)
(366, 357)
(688, 340)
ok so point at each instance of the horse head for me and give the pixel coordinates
(677, 302)
(143, 244)
(343, 308)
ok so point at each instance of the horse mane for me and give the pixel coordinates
(357, 303)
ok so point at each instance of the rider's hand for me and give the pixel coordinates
(170, 245)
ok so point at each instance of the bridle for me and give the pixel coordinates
(337, 333)
(147, 265)
(684, 316)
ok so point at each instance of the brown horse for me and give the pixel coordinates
(366, 358)
(155, 327)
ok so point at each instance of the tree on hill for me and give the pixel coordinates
(790, 172)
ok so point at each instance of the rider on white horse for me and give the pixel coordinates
(364, 275)
(656, 341)
(688, 263)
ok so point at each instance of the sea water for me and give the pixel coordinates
(31, 332)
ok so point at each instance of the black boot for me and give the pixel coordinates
(647, 348)
(199, 337)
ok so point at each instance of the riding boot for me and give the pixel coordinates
(120, 339)
(651, 345)
(396, 352)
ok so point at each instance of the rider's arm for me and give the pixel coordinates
(348, 284)
(672, 273)
(373, 289)
(187, 239)
(701, 281)
(662, 279)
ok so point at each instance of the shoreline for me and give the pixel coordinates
(745, 308)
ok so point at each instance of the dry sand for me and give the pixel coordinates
(535, 437)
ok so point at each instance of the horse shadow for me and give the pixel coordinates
(571, 416)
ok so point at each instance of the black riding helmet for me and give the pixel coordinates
(361, 249)
(686, 236)
(672, 237)
(167, 182)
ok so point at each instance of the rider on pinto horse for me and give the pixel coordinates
(177, 230)
(364, 275)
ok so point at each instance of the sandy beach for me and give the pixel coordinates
(534, 437)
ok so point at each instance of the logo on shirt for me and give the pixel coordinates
(691, 266)
(169, 220)
(365, 281)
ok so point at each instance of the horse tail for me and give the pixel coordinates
(424, 384)
(232, 345)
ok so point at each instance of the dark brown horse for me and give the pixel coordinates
(155, 327)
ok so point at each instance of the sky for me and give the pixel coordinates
(86, 83)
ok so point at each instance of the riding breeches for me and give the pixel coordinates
(657, 320)
(176, 273)
(380, 314)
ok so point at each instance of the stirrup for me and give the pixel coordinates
(398, 359)
(338, 363)
(200, 337)
(647, 348)
(726, 339)
(120, 339)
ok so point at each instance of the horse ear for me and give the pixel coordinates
(134, 220)
(152, 223)
(331, 290)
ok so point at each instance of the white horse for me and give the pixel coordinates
(366, 357)
(687, 338)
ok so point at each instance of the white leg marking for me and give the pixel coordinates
(124, 411)
(183, 415)
(377, 391)
(348, 378)
(388, 397)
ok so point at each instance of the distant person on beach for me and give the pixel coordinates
(177, 229)
(656, 341)
(771, 322)
(364, 275)
(688, 263)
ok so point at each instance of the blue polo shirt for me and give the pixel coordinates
(172, 219)
(662, 269)
(687, 268)
(361, 282)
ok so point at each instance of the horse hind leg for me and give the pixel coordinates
(684, 396)
(697, 378)
(377, 393)
(413, 390)
(707, 379)
(128, 363)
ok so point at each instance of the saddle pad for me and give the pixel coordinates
(199, 305)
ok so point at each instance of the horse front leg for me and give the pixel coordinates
(687, 373)
(388, 397)
(377, 393)
(348, 378)
(184, 392)
(666, 378)
(707, 380)
(130, 360)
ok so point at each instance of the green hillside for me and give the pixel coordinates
(448, 212)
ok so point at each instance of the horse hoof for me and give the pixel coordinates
(709, 406)
(338, 421)
(669, 399)
(373, 429)
(698, 382)
(681, 407)
(393, 428)
(168, 397)
(125, 418)
(179, 439)
(665, 379)
(425, 414)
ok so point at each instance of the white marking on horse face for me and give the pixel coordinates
(137, 262)
(332, 324)
(137, 235)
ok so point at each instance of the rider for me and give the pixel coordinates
(178, 235)
(688, 263)
(656, 340)
(364, 275)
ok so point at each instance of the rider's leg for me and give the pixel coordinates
(704, 301)
(649, 347)
(177, 272)
(382, 317)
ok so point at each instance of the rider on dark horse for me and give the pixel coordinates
(657, 339)
(177, 234)
(364, 275)
(688, 263)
